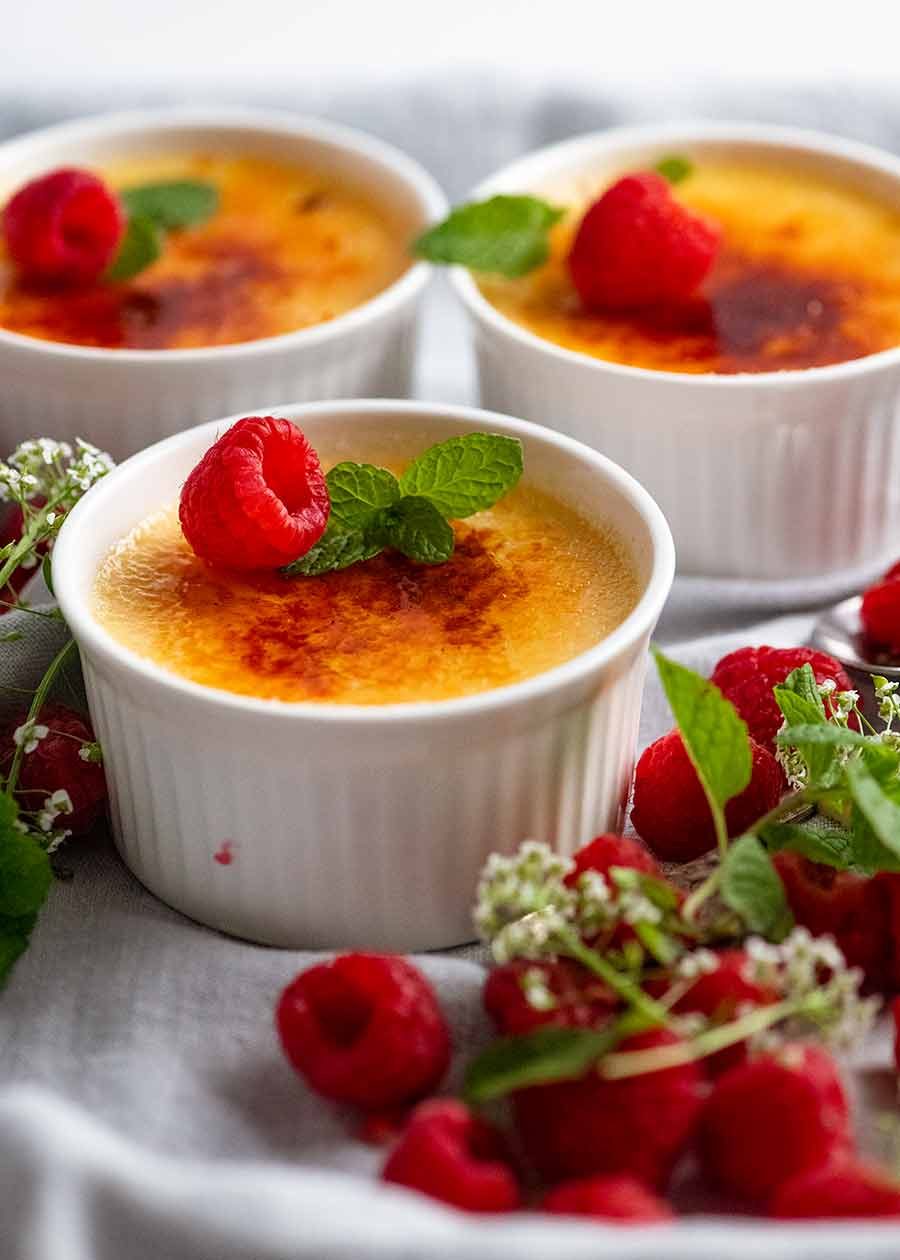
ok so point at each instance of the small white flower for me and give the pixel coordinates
(59, 802)
(535, 936)
(700, 962)
(91, 752)
(827, 687)
(537, 991)
(29, 734)
(512, 887)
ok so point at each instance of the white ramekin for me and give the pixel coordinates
(123, 400)
(354, 825)
(770, 475)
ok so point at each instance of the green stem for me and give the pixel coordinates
(625, 1063)
(620, 984)
(701, 894)
(39, 697)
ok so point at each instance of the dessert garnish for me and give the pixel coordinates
(51, 777)
(635, 246)
(258, 497)
(69, 229)
(371, 509)
(880, 612)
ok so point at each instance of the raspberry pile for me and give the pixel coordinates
(58, 769)
(637, 246)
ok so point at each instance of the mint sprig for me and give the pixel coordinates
(153, 210)
(508, 235)
(674, 168)
(371, 509)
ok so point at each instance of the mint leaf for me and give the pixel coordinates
(506, 234)
(357, 491)
(336, 549)
(141, 245)
(172, 204)
(673, 168)
(877, 809)
(715, 736)
(751, 886)
(829, 844)
(25, 874)
(547, 1054)
(416, 527)
(801, 682)
(828, 735)
(465, 474)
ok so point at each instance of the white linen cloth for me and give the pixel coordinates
(146, 1112)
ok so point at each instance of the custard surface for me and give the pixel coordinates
(808, 274)
(530, 585)
(287, 248)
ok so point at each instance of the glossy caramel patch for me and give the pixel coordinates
(529, 585)
(288, 248)
(808, 274)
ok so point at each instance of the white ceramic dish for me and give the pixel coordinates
(123, 400)
(353, 825)
(769, 475)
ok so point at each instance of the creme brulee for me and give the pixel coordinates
(287, 248)
(529, 585)
(808, 274)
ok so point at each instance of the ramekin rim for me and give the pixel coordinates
(803, 139)
(88, 632)
(394, 161)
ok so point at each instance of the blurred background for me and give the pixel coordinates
(462, 85)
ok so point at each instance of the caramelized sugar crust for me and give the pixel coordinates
(808, 274)
(529, 585)
(287, 248)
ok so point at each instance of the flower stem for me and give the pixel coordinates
(40, 696)
(620, 984)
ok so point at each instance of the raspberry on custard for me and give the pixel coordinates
(747, 678)
(638, 1125)
(581, 1000)
(449, 1153)
(63, 228)
(55, 764)
(623, 1199)
(840, 1190)
(777, 1115)
(670, 811)
(365, 1029)
(257, 499)
(637, 246)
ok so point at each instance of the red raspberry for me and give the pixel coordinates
(747, 677)
(895, 1017)
(56, 765)
(257, 499)
(845, 1188)
(637, 246)
(607, 851)
(775, 1116)
(638, 1125)
(880, 615)
(583, 1001)
(670, 811)
(608, 1198)
(720, 995)
(63, 228)
(364, 1029)
(452, 1155)
(849, 907)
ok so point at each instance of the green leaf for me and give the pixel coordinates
(415, 527)
(141, 246)
(831, 845)
(47, 572)
(830, 734)
(750, 885)
(802, 682)
(357, 491)
(336, 549)
(547, 1054)
(506, 234)
(25, 874)
(674, 168)
(465, 474)
(880, 812)
(715, 736)
(800, 703)
(172, 204)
